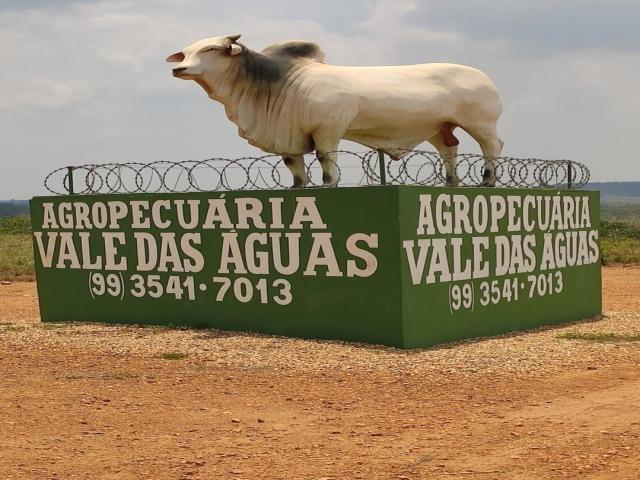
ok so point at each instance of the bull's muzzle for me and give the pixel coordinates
(178, 71)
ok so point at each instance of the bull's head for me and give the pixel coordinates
(209, 55)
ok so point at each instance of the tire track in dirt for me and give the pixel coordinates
(72, 406)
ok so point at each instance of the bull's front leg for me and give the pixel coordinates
(326, 145)
(295, 164)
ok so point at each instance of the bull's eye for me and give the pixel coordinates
(210, 49)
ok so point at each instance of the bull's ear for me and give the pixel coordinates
(234, 49)
(176, 57)
(233, 38)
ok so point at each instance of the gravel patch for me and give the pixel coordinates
(537, 351)
(534, 352)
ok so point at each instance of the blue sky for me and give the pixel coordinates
(86, 81)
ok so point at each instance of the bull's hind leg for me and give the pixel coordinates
(491, 146)
(447, 145)
(329, 163)
(295, 164)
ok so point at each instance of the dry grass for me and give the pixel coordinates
(600, 337)
(16, 257)
(620, 242)
(173, 356)
(16, 252)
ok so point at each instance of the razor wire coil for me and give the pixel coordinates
(415, 167)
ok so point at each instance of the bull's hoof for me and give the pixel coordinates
(299, 181)
(452, 181)
(488, 183)
(330, 184)
(328, 180)
(488, 177)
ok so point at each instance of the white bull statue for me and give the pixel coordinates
(285, 100)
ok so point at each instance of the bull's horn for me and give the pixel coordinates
(233, 38)
(235, 49)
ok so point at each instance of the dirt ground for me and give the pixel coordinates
(109, 402)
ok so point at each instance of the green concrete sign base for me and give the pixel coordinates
(406, 266)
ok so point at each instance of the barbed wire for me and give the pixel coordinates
(416, 167)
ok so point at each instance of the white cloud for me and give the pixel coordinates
(88, 80)
(43, 93)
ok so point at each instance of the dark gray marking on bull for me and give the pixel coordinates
(449, 179)
(295, 49)
(297, 181)
(487, 177)
(272, 70)
(272, 64)
(260, 68)
(288, 161)
(302, 49)
(326, 178)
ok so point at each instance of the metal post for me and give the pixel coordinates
(70, 180)
(569, 174)
(383, 170)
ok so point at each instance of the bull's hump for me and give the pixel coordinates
(295, 50)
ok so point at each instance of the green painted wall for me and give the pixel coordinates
(354, 280)
(576, 290)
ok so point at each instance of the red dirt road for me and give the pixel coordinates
(95, 402)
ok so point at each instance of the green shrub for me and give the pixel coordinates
(15, 225)
(620, 242)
